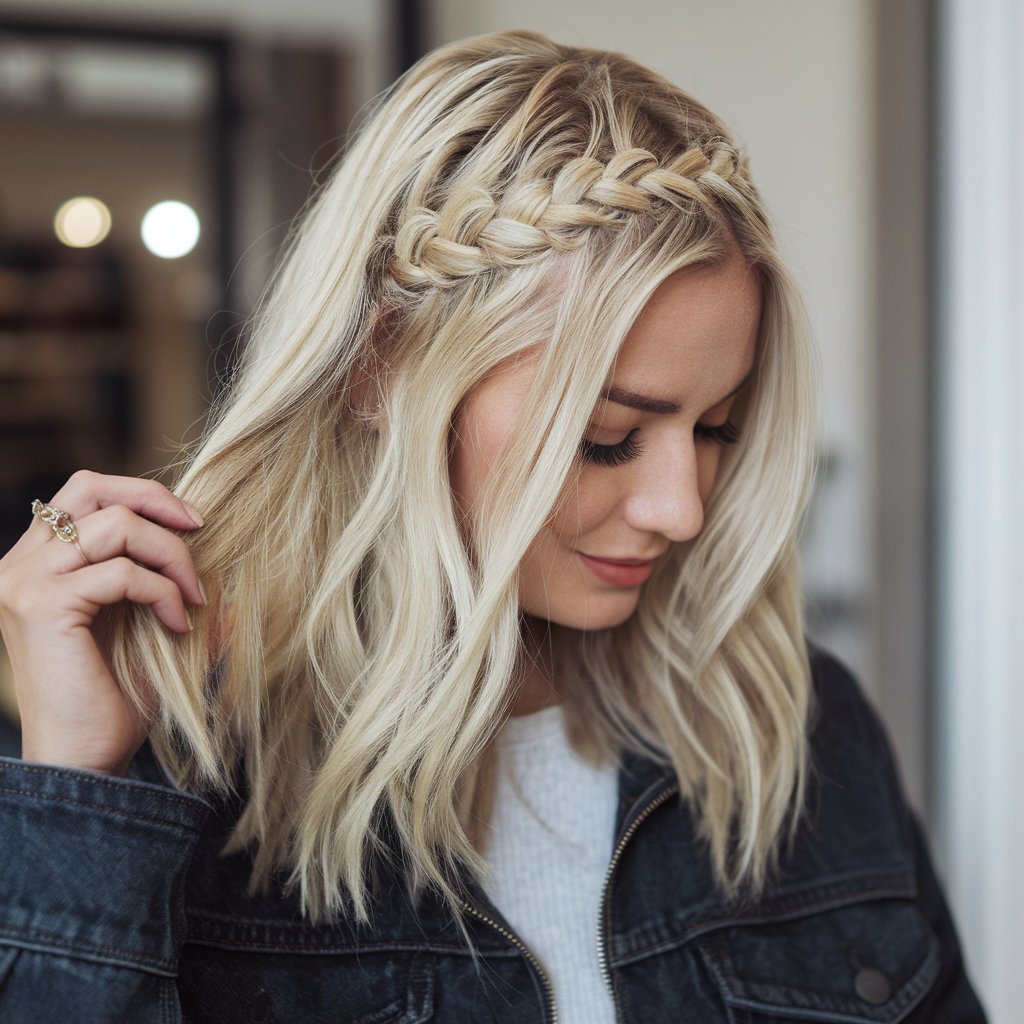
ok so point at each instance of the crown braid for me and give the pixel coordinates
(472, 233)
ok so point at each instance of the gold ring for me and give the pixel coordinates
(61, 524)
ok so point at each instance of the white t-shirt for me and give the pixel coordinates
(549, 851)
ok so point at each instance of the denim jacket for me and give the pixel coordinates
(116, 906)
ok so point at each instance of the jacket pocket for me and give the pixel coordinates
(867, 963)
(415, 1007)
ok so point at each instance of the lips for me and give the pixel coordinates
(622, 561)
(620, 572)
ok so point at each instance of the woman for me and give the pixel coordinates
(473, 720)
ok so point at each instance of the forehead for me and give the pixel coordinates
(697, 335)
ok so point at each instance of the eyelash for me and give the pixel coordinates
(629, 448)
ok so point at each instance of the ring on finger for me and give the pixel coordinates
(61, 523)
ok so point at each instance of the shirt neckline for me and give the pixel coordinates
(533, 727)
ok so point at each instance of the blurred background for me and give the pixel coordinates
(154, 152)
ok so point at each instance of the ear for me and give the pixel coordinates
(369, 378)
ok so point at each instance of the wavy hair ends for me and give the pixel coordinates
(355, 659)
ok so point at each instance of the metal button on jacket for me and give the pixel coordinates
(872, 986)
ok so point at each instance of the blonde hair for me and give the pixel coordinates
(507, 192)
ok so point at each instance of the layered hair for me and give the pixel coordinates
(356, 655)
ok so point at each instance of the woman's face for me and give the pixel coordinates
(651, 452)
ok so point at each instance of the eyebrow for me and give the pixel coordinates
(645, 403)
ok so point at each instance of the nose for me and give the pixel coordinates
(665, 496)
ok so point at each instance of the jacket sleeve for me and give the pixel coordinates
(92, 916)
(951, 999)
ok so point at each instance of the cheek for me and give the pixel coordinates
(474, 449)
(481, 428)
(709, 458)
(584, 505)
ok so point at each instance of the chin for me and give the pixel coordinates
(589, 614)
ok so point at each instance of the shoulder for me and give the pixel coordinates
(857, 813)
(855, 926)
(844, 724)
(836, 689)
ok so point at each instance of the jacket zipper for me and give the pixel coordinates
(603, 923)
(516, 941)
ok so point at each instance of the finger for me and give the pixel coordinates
(86, 492)
(116, 530)
(121, 579)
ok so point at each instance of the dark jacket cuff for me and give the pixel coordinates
(94, 865)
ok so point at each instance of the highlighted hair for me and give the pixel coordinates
(507, 192)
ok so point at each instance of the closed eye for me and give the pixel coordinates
(630, 447)
(611, 454)
(722, 433)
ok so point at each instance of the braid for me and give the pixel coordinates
(472, 233)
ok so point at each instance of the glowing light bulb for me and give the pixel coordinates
(170, 229)
(82, 222)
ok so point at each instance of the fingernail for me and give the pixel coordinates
(188, 619)
(194, 513)
(202, 590)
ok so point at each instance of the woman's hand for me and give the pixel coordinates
(73, 712)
